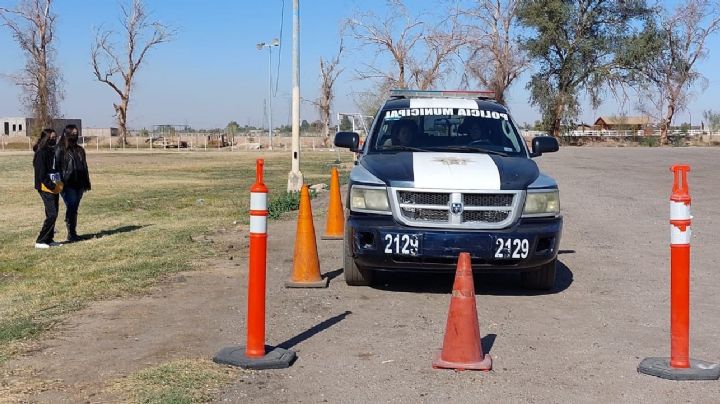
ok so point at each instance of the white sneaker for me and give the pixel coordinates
(55, 244)
(42, 245)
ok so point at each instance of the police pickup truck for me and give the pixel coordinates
(442, 172)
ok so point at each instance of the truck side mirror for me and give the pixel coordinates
(348, 140)
(544, 144)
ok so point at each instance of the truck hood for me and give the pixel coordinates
(462, 171)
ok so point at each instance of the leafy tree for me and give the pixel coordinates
(573, 44)
(713, 120)
(232, 127)
(305, 125)
(345, 124)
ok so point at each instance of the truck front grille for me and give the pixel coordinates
(423, 198)
(426, 215)
(488, 199)
(478, 210)
(488, 216)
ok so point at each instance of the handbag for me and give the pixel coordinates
(56, 179)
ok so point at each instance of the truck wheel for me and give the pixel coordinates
(354, 276)
(541, 278)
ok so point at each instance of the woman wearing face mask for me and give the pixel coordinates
(76, 178)
(48, 185)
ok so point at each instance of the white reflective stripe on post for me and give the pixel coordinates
(679, 237)
(258, 201)
(258, 224)
(679, 211)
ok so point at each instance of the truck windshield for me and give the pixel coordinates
(460, 130)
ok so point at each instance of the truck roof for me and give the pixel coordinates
(400, 103)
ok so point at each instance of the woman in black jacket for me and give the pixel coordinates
(45, 165)
(76, 178)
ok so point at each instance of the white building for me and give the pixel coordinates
(17, 126)
(13, 126)
(100, 132)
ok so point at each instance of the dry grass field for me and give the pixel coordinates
(144, 218)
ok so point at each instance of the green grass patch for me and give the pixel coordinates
(142, 217)
(184, 381)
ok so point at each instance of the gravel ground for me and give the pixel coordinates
(581, 342)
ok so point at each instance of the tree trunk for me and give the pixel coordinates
(122, 119)
(326, 133)
(665, 124)
(557, 118)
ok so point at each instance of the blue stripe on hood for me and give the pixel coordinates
(516, 173)
(390, 167)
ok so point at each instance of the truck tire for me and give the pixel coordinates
(354, 275)
(541, 278)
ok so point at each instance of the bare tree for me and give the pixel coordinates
(420, 56)
(117, 69)
(496, 58)
(32, 24)
(675, 41)
(329, 72)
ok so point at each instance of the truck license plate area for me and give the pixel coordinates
(402, 243)
(512, 248)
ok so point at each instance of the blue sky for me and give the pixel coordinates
(212, 72)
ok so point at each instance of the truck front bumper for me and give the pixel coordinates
(440, 248)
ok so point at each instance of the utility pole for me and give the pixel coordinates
(295, 177)
(260, 46)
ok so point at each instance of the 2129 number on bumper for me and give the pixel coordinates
(403, 244)
(512, 248)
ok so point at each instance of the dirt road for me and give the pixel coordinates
(579, 343)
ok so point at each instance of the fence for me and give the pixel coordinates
(180, 142)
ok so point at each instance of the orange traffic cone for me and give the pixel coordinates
(306, 265)
(335, 226)
(462, 348)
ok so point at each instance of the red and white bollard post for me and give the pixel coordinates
(679, 366)
(257, 265)
(256, 355)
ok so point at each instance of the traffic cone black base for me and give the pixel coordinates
(698, 370)
(275, 358)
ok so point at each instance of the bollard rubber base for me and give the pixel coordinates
(329, 237)
(698, 370)
(323, 283)
(275, 358)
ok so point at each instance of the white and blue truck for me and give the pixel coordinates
(444, 172)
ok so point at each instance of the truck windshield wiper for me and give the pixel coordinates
(404, 148)
(471, 149)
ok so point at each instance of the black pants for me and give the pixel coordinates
(72, 197)
(51, 213)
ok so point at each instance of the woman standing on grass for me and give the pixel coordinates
(76, 179)
(48, 185)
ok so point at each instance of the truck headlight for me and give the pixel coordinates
(369, 199)
(542, 203)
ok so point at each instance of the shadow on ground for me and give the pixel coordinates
(324, 325)
(104, 233)
(487, 343)
(332, 274)
(493, 283)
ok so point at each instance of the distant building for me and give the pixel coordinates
(22, 126)
(622, 123)
(583, 127)
(101, 132)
